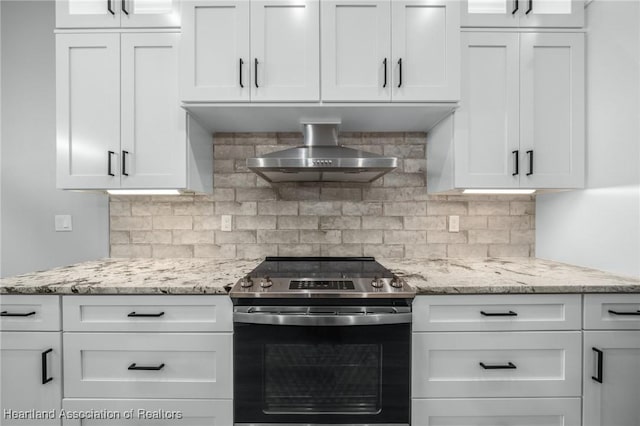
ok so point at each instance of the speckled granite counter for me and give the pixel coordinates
(208, 276)
(513, 275)
(133, 276)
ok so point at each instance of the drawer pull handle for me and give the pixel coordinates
(612, 312)
(498, 314)
(11, 314)
(599, 362)
(133, 314)
(508, 366)
(45, 373)
(146, 368)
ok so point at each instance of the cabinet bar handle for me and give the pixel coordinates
(123, 6)
(45, 374)
(600, 359)
(400, 79)
(499, 314)
(11, 314)
(517, 6)
(109, 8)
(530, 7)
(124, 163)
(516, 158)
(133, 314)
(147, 368)
(385, 72)
(109, 172)
(612, 312)
(241, 64)
(255, 62)
(530, 154)
(508, 366)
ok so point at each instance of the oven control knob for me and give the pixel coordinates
(377, 282)
(266, 282)
(396, 282)
(246, 282)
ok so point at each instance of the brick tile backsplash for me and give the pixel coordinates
(391, 217)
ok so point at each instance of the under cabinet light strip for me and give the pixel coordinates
(143, 192)
(498, 191)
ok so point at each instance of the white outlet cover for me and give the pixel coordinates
(63, 223)
(226, 221)
(454, 223)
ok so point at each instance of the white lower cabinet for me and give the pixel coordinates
(496, 412)
(31, 378)
(157, 412)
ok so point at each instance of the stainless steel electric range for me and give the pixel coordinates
(322, 341)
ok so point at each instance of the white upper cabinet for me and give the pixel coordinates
(404, 51)
(215, 60)
(117, 13)
(285, 50)
(425, 46)
(523, 13)
(88, 110)
(356, 50)
(552, 132)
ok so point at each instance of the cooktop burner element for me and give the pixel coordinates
(321, 277)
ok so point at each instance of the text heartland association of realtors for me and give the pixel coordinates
(140, 414)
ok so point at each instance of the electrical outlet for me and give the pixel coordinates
(454, 223)
(226, 221)
(63, 223)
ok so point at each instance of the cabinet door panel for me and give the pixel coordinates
(87, 13)
(491, 13)
(492, 412)
(487, 122)
(426, 37)
(356, 41)
(215, 40)
(153, 133)
(21, 387)
(88, 110)
(285, 42)
(552, 110)
(552, 13)
(615, 400)
(149, 13)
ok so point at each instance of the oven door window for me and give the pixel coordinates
(322, 378)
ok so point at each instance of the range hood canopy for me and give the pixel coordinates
(321, 159)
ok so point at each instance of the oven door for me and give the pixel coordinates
(321, 367)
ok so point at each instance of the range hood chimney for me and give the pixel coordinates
(321, 159)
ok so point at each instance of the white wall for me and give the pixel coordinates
(28, 196)
(599, 227)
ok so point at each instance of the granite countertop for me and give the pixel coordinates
(210, 276)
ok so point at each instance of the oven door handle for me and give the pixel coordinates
(321, 320)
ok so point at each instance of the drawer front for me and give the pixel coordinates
(147, 313)
(29, 313)
(128, 412)
(148, 365)
(612, 312)
(515, 364)
(492, 412)
(497, 312)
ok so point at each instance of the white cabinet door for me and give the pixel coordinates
(614, 398)
(153, 142)
(552, 134)
(215, 63)
(27, 360)
(487, 123)
(87, 13)
(552, 13)
(149, 13)
(88, 110)
(356, 50)
(426, 58)
(491, 13)
(285, 50)
(496, 412)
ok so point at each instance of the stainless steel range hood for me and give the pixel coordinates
(321, 159)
